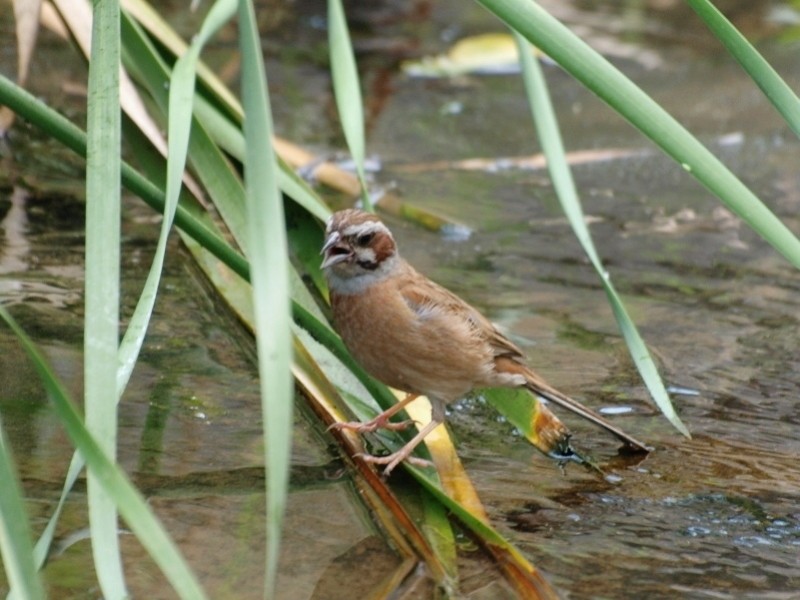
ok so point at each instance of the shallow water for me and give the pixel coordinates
(716, 516)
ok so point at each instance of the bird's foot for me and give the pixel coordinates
(379, 422)
(394, 459)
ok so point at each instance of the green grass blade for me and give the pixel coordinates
(550, 139)
(42, 547)
(220, 125)
(775, 88)
(16, 549)
(181, 98)
(347, 90)
(270, 278)
(179, 129)
(153, 21)
(212, 169)
(229, 136)
(39, 114)
(132, 506)
(101, 325)
(529, 583)
(597, 74)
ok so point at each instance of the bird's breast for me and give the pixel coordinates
(428, 352)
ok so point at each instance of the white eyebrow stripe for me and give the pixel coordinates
(365, 228)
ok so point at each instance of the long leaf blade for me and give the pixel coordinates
(16, 549)
(550, 139)
(181, 99)
(101, 324)
(776, 89)
(268, 254)
(596, 73)
(347, 91)
(132, 506)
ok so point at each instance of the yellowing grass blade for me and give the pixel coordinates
(536, 422)
(455, 481)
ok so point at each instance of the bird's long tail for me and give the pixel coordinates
(541, 388)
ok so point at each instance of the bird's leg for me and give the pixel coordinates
(382, 420)
(395, 458)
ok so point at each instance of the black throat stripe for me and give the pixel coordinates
(369, 265)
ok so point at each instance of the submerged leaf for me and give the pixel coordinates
(488, 53)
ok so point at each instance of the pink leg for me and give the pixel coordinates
(382, 420)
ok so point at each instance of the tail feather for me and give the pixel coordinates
(539, 387)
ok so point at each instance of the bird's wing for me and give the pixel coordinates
(431, 301)
(428, 299)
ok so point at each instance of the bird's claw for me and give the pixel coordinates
(370, 426)
(392, 460)
(392, 426)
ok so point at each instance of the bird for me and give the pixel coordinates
(416, 336)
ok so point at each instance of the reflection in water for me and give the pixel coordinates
(36, 268)
(15, 249)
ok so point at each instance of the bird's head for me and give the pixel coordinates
(357, 244)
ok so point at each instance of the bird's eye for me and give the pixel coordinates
(365, 238)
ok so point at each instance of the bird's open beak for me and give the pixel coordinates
(334, 250)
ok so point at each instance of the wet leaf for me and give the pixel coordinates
(423, 217)
(534, 420)
(454, 480)
(527, 580)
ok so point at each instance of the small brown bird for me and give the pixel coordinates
(416, 336)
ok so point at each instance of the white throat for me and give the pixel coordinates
(352, 279)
